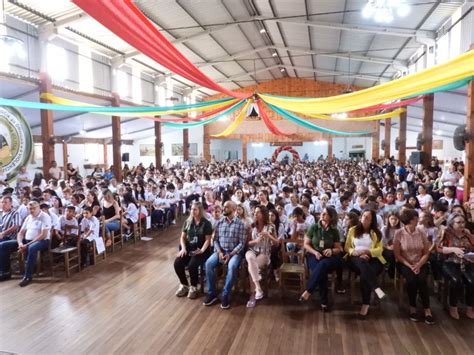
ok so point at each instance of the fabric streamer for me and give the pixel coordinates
(459, 69)
(210, 120)
(271, 127)
(234, 124)
(390, 105)
(309, 125)
(126, 21)
(381, 116)
(130, 111)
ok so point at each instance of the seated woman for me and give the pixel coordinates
(263, 237)
(323, 247)
(194, 250)
(455, 242)
(364, 249)
(111, 214)
(388, 232)
(412, 251)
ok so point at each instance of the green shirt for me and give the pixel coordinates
(323, 239)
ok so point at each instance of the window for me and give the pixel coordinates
(56, 62)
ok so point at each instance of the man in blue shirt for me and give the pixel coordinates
(229, 241)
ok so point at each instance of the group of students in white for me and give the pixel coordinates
(348, 213)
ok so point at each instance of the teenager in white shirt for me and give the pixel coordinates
(90, 227)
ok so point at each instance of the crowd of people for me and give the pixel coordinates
(365, 216)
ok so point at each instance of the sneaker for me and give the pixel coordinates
(252, 302)
(258, 294)
(173, 222)
(414, 317)
(429, 320)
(25, 282)
(225, 302)
(192, 294)
(380, 294)
(209, 300)
(182, 291)
(340, 289)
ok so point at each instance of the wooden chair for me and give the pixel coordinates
(292, 275)
(95, 255)
(117, 237)
(69, 250)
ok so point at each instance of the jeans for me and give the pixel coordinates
(232, 269)
(389, 255)
(6, 248)
(193, 263)
(458, 280)
(319, 274)
(112, 226)
(416, 284)
(368, 271)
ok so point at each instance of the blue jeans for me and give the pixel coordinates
(6, 248)
(232, 269)
(112, 226)
(319, 274)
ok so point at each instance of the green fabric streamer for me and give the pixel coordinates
(209, 120)
(92, 109)
(295, 119)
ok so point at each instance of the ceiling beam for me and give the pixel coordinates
(313, 70)
(62, 119)
(26, 93)
(389, 31)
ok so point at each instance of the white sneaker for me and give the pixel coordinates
(258, 294)
(182, 291)
(173, 222)
(380, 294)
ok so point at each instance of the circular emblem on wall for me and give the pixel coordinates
(16, 141)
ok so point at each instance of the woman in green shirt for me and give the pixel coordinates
(323, 248)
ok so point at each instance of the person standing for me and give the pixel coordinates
(229, 241)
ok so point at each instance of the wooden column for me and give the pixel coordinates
(106, 156)
(387, 137)
(47, 126)
(65, 159)
(158, 143)
(245, 142)
(376, 141)
(185, 144)
(329, 139)
(427, 132)
(402, 137)
(206, 146)
(116, 140)
(469, 166)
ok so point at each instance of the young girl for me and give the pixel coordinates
(131, 214)
(388, 232)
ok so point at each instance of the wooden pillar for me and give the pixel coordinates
(428, 105)
(47, 126)
(245, 142)
(106, 156)
(469, 165)
(206, 146)
(402, 138)
(185, 144)
(376, 141)
(116, 140)
(387, 137)
(65, 159)
(329, 139)
(158, 143)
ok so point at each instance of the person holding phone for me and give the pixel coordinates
(194, 250)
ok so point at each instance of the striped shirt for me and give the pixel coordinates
(229, 236)
(8, 220)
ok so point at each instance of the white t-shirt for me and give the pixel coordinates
(424, 200)
(25, 175)
(55, 172)
(91, 224)
(34, 225)
(132, 212)
(363, 243)
(63, 222)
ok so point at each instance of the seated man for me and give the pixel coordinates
(33, 237)
(229, 241)
(9, 226)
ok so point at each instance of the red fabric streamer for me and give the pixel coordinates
(268, 122)
(190, 119)
(126, 21)
(387, 106)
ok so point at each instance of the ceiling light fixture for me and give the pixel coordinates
(282, 70)
(262, 31)
(274, 54)
(340, 115)
(382, 11)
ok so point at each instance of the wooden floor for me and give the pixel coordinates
(127, 304)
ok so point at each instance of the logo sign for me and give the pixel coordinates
(16, 141)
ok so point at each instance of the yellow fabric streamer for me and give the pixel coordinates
(459, 68)
(381, 116)
(234, 124)
(62, 101)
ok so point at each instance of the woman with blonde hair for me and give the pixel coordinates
(194, 250)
